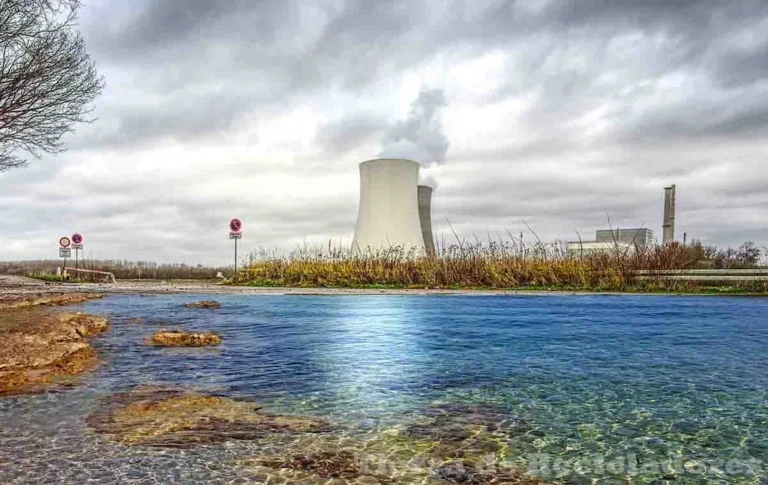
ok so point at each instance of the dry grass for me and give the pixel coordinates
(481, 265)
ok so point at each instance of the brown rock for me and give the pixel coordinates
(10, 302)
(177, 419)
(180, 338)
(46, 346)
(203, 304)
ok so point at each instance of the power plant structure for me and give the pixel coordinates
(628, 241)
(394, 211)
(669, 215)
(425, 218)
(641, 238)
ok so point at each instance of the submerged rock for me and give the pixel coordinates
(203, 304)
(178, 419)
(470, 432)
(180, 338)
(327, 464)
(470, 473)
(46, 346)
(444, 443)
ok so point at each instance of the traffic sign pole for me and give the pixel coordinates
(77, 245)
(64, 250)
(235, 226)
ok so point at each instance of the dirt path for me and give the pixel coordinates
(9, 281)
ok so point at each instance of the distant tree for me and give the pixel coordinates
(746, 256)
(47, 79)
(748, 253)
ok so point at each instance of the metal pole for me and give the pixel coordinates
(77, 254)
(235, 257)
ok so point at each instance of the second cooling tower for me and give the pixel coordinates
(425, 217)
(388, 215)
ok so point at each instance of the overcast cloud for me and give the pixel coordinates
(558, 113)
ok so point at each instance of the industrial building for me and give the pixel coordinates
(629, 240)
(609, 240)
(641, 237)
(394, 210)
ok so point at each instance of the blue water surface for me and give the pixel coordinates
(638, 381)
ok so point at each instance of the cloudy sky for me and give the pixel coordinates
(559, 112)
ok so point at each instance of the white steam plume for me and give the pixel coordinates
(419, 137)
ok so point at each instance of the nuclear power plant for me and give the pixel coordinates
(394, 210)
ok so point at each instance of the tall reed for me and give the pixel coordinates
(479, 265)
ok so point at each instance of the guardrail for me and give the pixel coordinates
(757, 274)
(106, 274)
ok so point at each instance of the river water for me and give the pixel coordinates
(611, 388)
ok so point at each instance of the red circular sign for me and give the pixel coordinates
(77, 238)
(235, 225)
(64, 242)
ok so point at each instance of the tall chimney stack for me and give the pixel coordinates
(669, 215)
(425, 217)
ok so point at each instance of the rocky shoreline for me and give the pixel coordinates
(41, 346)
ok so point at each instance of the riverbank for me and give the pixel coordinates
(41, 345)
(14, 285)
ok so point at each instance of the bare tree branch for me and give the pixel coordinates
(47, 79)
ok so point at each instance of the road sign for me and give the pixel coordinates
(64, 242)
(77, 238)
(235, 225)
(65, 252)
(235, 235)
(77, 246)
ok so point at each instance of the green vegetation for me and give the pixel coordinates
(508, 266)
(45, 276)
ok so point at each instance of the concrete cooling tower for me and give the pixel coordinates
(388, 215)
(425, 217)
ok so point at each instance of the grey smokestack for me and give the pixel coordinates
(425, 216)
(669, 215)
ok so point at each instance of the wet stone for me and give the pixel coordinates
(203, 304)
(41, 347)
(177, 419)
(180, 338)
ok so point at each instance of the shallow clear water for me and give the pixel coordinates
(652, 389)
